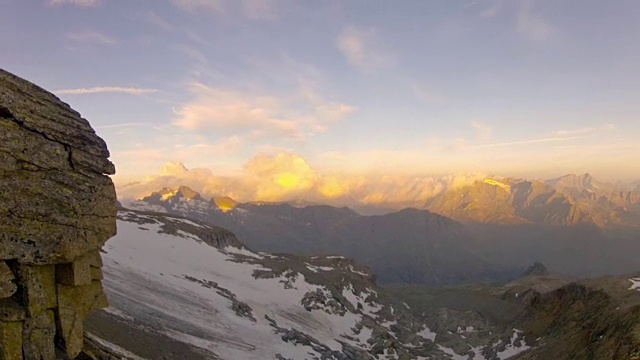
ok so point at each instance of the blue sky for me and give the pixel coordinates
(532, 88)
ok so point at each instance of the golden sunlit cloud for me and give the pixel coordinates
(284, 176)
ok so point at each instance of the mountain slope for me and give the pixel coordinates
(589, 319)
(566, 201)
(196, 285)
(409, 246)
(417, 246)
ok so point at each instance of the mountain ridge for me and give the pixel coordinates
(375, 240)
(428, 241)
(230, 302)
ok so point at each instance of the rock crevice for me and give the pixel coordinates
(58, 208)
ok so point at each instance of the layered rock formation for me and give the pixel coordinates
(58, 207)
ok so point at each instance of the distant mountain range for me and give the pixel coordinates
(409, 246)
(575, 224)
(569, 200)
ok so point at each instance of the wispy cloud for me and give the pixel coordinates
(91, 37)
(428, 96)
(158, 21)
(483, 131)
(251, 9)
(193, 53)
(529, 142)
(81, 3)
(106, 89)
(216, 6)
(586, 130)
(223, 146)
(531, 24)
(261, 115)
(258, 9)
(361, 50)
(493, 10)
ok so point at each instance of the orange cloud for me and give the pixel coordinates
(284, 176)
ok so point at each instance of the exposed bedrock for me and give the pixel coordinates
(57, 209)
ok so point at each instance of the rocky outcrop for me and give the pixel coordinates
(537, 269)
(590, 319)
(58, 207)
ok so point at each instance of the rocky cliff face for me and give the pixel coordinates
(589, 319)
(58, 208)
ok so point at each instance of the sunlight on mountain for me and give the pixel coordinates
(493, 182)
(225, 203)
(169, 195)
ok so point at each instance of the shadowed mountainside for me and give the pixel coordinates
(409, 246)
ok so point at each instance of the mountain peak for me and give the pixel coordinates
(225, 203)
(187, 193)
(537, 269)
(572, 180)
(166, 194)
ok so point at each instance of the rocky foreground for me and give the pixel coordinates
(57, 209)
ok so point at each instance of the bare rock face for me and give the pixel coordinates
(58, 208)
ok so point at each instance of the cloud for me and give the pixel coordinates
(492, 11)
(251, 9)
(193, 53)
(258, 9)
(285, 176)
(156, 20)
(428, 96)
(91, 37)
(261, 115)
(360, 49)
(81, 3)
(222, 147)
(531, 24)
(529, 142)
(483, 130)
(105, 89)
(586, 130)
(216, 6)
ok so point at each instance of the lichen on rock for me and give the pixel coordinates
(58, 208)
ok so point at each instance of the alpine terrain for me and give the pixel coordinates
(197, 287)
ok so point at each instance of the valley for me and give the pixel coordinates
(201, 289)
(437, 245)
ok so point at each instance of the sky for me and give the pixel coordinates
(525, 88)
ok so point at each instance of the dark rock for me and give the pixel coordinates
(537, 269)
(50, 156)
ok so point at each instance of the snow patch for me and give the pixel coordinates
(426, 333)
(514, 347)
(315, 269)
(242, 251)
(194, 291)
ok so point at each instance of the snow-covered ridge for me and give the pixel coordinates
(168, 276)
